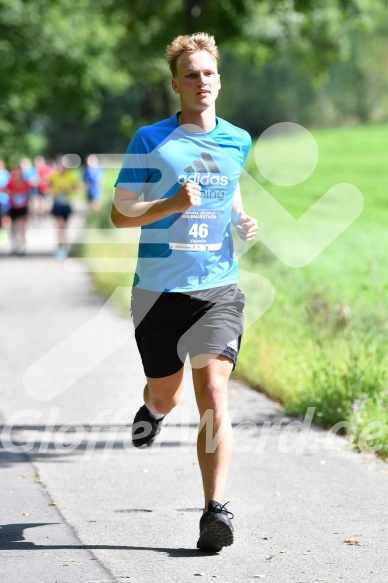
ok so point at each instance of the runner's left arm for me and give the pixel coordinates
(246, 226)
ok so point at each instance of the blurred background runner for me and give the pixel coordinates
(93, 181)
(64, 182)
(18, 189)
(4, 202)
(44, 173)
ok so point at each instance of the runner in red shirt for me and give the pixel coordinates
(18, 190)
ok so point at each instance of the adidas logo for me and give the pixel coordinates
(233, 344)
(199, 165)
(206, 176)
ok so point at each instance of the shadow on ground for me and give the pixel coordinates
(12, 538)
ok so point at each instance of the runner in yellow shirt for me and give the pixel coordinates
(64, 182)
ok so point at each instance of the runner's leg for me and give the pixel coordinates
(61, 230)
(22, 229)
(215, 439)
(161, 395)
(18, 234)
(14, 235)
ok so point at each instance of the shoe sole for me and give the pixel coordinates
(135, 443)
(215, 536)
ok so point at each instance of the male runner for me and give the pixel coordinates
(185, 297)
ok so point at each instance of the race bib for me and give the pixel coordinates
(20, 200)
(62, 198)
(197, 230)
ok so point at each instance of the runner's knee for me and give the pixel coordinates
(161, 404)
(212, 395)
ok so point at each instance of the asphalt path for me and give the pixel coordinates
(79, 504)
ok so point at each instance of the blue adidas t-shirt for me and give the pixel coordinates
(191, 250)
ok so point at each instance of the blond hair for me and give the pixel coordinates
(190, 43)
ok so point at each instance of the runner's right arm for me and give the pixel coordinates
(127, 211)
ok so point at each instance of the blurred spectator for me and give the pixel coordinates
(4, 201)
(30, 174)
(93, 181)
(4, 175)
(44, 172)
(64, 183)
(18, 189)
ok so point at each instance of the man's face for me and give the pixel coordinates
(197, 81)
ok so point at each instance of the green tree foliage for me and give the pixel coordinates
(350, 90)
(77, 73)
(55, 57)
(356, 88)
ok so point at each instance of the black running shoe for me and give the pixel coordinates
(145, 428)
(215, 528)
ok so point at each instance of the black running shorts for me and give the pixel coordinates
(61, 210)
(18, 213)
(170, 325)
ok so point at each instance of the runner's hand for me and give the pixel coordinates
(188, 195)
(246, 227)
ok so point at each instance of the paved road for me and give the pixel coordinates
(81, 505)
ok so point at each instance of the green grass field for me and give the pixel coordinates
(324, 341)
